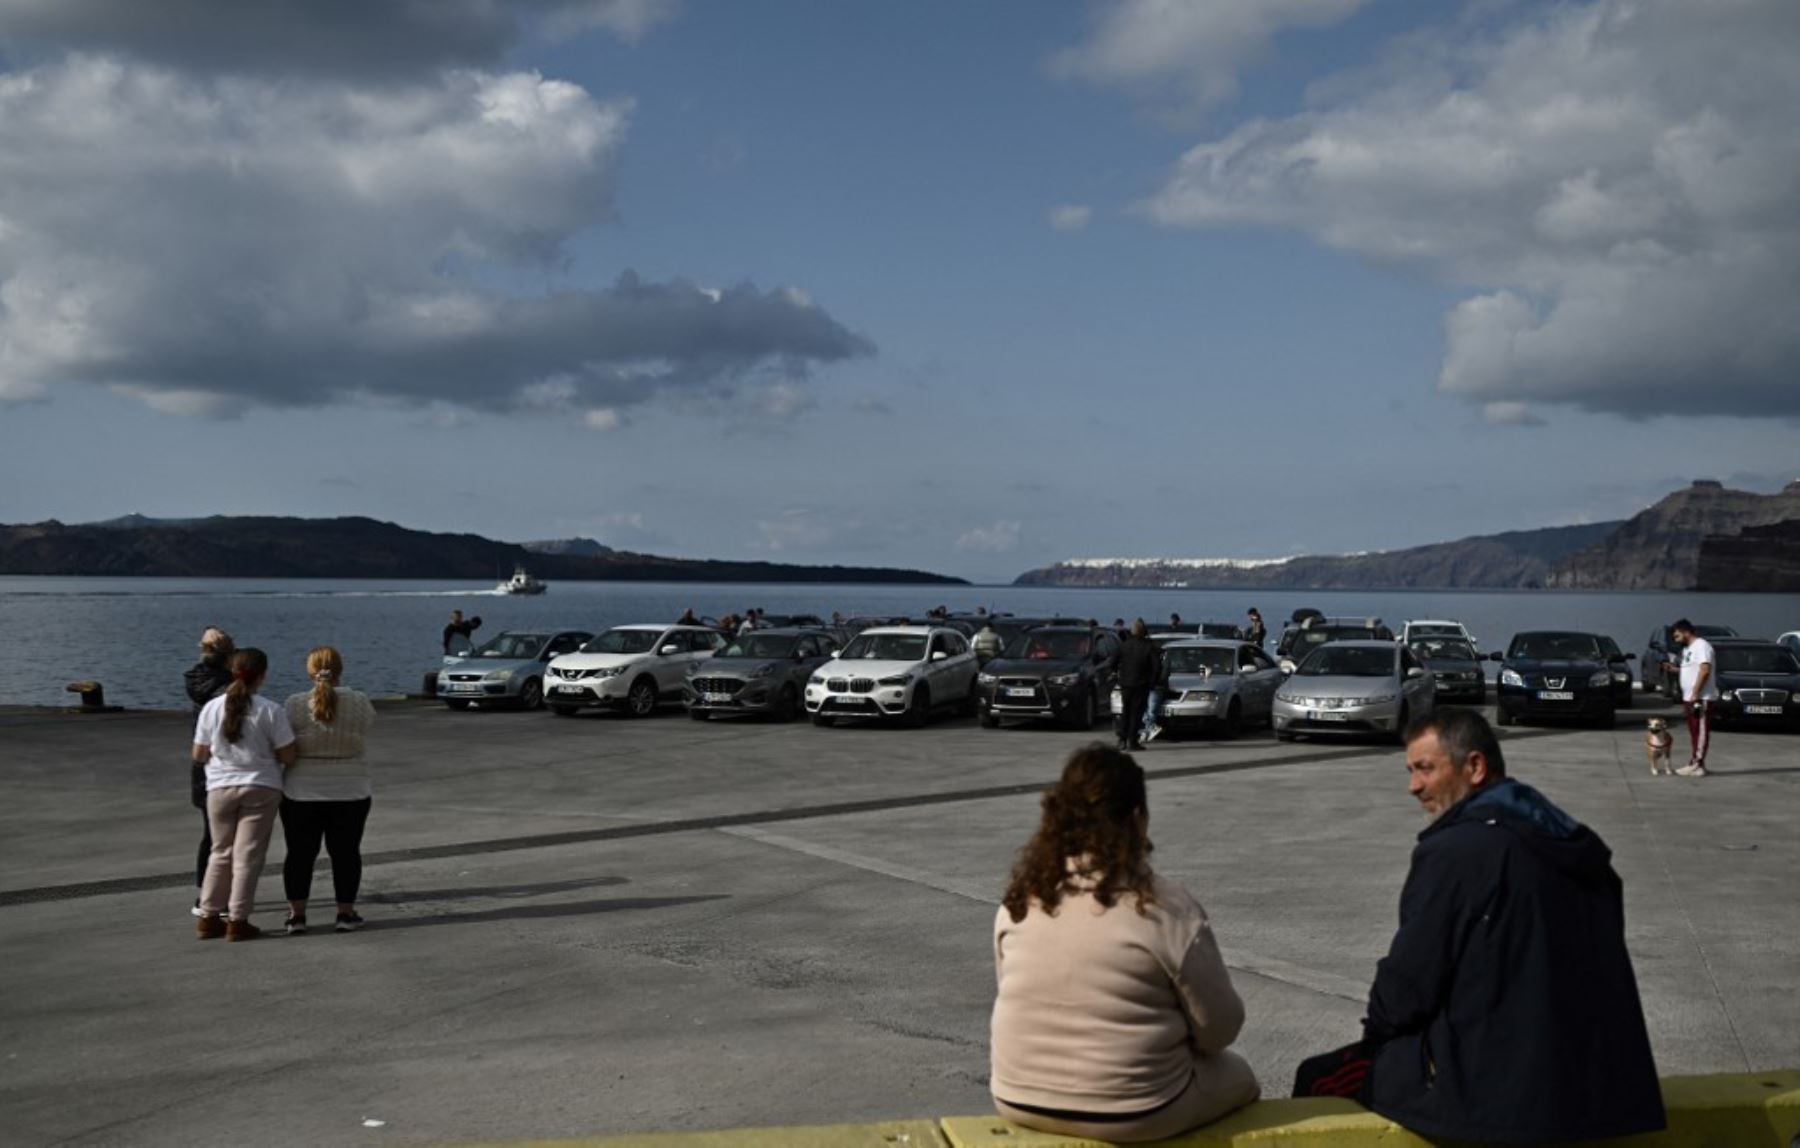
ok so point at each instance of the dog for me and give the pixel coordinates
(1657, 743)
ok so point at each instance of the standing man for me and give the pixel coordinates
(1256, 633)
(986, 643)
(460, 629)
(1139, 667)
(1175, 622)
(1699, 690)
(1506, 1009)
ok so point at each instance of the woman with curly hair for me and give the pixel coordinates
(1115, 1010)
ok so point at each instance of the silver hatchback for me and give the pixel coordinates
(1367, 687)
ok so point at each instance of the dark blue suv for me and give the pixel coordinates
(1562, 674)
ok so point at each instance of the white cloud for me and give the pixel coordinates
(627, 19)
(1199, 46)
(206, 243)
(782, 401)
(1070, 216)
(797, 528)
(1619, 181)
(1510, 414)
(602, 419)
(996, 538)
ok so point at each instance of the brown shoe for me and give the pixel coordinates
(241, 931)
(207, 928)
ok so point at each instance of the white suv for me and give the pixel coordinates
(900, 672)
(628, 667)
(1436, 628)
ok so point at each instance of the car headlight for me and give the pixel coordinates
(608, 672)
(896, 680)
(1064, 681)
(1291, 699)
(1378, 699)
(763, 671)
(498, 676)
(1204, 697)
(1728, 695)
(816, 680)
(1511, 678)
(1602, 678)
(987, 679)
(1620, 677)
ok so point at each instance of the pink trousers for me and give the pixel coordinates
(242, 819)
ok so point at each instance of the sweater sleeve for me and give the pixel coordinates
(1214, 1010)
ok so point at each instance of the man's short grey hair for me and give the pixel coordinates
(1461, 732)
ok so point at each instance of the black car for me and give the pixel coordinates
(1759, 683)
(1455, 667)
(1562, 674)
(759, 672)
(1302, 638)
(1661, 667)
(1061, 672)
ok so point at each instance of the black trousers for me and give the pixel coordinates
(197, 794)
(1133, 700)
(339, 824)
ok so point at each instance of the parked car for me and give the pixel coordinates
(898, 672)
(1455, 667)
(1217, 685)
(1301, 638)
(1437, 628)
(1064, 673)
(1661, 667)
(1562, 674)
(1369, 686)
(1790, 641)
(1759, 683)
(507, 669)
(633, 668)
(1009, 628)
(762, 672)
(1225, 631)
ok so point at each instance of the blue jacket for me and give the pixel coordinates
(1506, 1010)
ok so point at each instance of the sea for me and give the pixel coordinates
(136, 636)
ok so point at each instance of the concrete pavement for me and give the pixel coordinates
(603, 925)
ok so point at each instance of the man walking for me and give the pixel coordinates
(458, 628)
(1506, 1010)
(1699, 690)
(1139, 667)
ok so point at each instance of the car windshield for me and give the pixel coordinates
(1444, 649)
(1319, 635)
(761, 646)
(1348, 662)
(1556, 647)
(1041, 646)
(1756, 660)
(623, 642)
(886, 648)
(1433, 630)
(512, 646)
(1200, 660)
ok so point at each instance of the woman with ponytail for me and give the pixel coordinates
(245, 742)
(326, 795)
(1115, 1010)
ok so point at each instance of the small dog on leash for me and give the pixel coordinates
(1657, 744)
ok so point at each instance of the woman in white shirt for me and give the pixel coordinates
(245, 743)
(326, 794)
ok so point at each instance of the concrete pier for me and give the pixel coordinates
(601, 925)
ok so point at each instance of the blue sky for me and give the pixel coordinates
(968, 287)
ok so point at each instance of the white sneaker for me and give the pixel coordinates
(1691, 769)
(1152, 734)
(197, 910)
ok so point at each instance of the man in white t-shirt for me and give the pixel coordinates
(1699, 690)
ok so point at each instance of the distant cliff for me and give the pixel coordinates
(223, 547)
(1516, 560)
(1756, 559)
(1659, 549)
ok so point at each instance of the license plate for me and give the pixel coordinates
(1018, 693)
(1555, 696)
(461, 688)
(565, 691)
(1762, 709)
(1330, 715)
(717, 699)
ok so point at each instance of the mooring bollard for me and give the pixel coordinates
(93, 696)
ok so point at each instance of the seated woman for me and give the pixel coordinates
(1115, 1010)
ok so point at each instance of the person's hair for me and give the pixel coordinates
(1093, 817)
(216, 646)
(1255, 613)
(248, 666)
(1139, 630)
(1683, 626)
(1461, 732)
(324, 666)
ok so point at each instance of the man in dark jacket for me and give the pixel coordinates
(1506, 1010)
(1140, 666)
(205, 680)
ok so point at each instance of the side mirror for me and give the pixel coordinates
(938, 655)
(1496, 656)
(1631, 657)
(671, 648)
(1286, 666)
(1414, 672)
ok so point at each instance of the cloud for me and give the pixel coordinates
(797, 528)
(782, 402)
(1198, 47)
(378, 43)
(1618, 181)
(204, 244)
(1070, 217)
(997, 538)
(1510, 414)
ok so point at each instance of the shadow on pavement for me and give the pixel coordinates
(542, 912)
(401, 896)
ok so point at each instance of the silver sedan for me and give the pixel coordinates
(1366, 687)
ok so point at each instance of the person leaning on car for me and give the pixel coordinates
(1140, 668)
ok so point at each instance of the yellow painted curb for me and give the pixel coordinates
(889, 1134)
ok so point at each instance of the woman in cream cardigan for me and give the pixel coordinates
(1115, 1012)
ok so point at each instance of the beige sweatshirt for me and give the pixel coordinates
(1105, 1010)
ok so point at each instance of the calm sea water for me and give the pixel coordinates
(137, 635)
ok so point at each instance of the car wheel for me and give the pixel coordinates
(1400, 720)
(1503, 716)
(1283, 735)
(1088, 714)
(1629, 701)
(531, 694)
(989, 721)
(789, 707)
(641, 701)
(563, 711)
(1607, 719)
(697, 714)
(457, 705)
(824, 721)
(918, 711)
(1234, 720)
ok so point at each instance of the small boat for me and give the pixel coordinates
(521, 582)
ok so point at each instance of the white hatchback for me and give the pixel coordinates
(633, 668)
(902, 672)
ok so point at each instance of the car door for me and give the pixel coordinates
(671, 667)
(702, 645)
(1420, 692)
(1256, 682)
(1106, 664)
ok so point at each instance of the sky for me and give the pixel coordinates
(967, 287)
